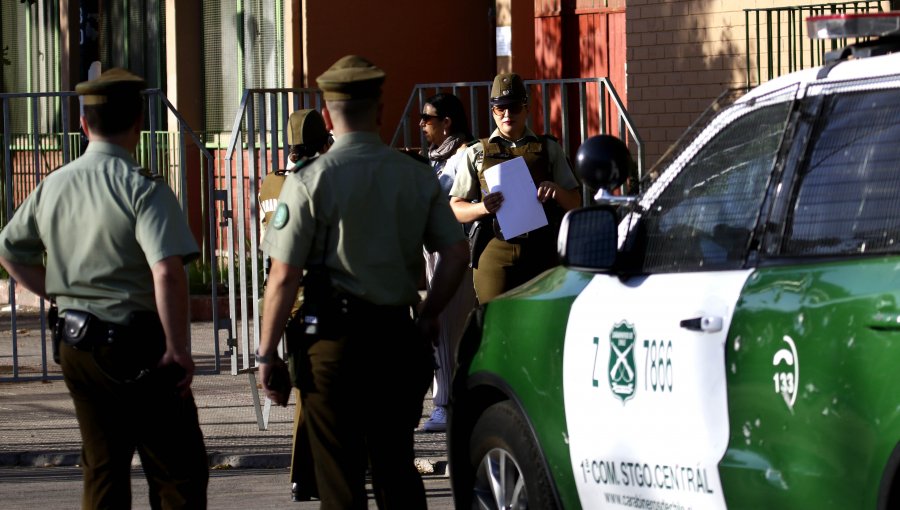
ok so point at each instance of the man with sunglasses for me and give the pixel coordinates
(500, 264)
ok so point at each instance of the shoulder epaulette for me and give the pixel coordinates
(472, 142)
(302, 163)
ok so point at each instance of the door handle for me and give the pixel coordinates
(885, 321)
(706, 324)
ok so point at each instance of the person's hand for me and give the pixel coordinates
(492, 202)
(276, 381)
(428, 328)
(547, 191)
(178, 362)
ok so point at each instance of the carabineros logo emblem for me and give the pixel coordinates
(622, 371)
(281, 216)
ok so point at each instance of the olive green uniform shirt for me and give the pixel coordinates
(102, 222)
(466, 185)
(376, 207)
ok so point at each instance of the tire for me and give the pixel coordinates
(507, 464)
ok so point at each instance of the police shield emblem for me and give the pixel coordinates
(281, 216)
(622, 371)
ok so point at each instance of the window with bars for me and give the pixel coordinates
(29, 38)
(132, 36)
(243, 46)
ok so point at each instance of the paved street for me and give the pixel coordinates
(40, 443)
(235, 489)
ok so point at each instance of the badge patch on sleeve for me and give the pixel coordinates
(281, 216)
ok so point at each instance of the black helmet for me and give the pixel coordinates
(603, 162)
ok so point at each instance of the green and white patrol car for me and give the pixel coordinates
(728, 339)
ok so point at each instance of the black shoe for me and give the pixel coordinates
(295, 496)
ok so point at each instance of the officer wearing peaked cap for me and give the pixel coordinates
(498, 263)
(108, 242)
(306, 137)
(357, 218)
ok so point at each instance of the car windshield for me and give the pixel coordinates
(726, 99)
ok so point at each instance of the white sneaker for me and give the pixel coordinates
(437, 422)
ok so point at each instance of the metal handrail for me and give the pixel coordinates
(478, 94)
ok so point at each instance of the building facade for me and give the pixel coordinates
(668, 60)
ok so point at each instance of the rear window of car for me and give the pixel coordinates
(847, 199)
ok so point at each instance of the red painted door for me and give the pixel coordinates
(573, 39)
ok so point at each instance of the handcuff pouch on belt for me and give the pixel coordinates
(75, 326)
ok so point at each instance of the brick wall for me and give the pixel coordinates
(681, 55)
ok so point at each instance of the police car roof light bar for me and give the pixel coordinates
(883, 29)
(841, 26)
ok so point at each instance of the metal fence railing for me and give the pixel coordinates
(777, 42)
(51, 141)
(569, 109)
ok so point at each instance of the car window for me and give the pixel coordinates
(703, 219)
(847, 198)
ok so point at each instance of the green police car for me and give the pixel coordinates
(728, 339)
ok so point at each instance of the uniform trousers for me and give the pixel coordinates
(118, 417)
(504, 265)
(362, 392)
(302, 469)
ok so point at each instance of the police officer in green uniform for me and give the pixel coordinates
(499, 264)
(356, 218)
(115, 242)
(306, 137)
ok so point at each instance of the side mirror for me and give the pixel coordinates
(589, 239)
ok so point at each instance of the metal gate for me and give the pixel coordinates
(258, 145)
(37, 137)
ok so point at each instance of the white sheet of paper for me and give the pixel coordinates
(521, 211)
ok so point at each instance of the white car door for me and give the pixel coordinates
(645, 387)
(644, 371)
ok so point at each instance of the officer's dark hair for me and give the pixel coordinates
(116, 115)
(297, 152)
(449, 106)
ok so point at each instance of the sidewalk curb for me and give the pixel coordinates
(40, 459)
(249, 461)
(217, 461)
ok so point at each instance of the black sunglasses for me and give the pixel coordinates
(425, 117)
(514, 108)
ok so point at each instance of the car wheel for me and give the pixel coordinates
(508, 467)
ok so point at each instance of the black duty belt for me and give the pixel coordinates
(85, 331)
